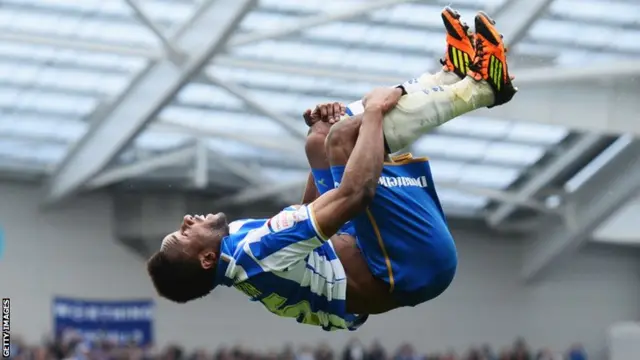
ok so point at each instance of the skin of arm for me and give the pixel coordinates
(333, 209)
(310, 193)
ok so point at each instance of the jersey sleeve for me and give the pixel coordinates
(290, 236)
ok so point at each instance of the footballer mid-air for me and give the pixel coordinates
(370, 235)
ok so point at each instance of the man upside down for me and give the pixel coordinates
(371, 235)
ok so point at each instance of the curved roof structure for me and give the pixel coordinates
(202, 94)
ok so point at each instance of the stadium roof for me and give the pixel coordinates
(65, 65)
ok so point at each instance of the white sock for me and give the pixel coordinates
(427, 81)
(420, 112)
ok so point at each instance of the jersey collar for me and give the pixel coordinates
(223, 263)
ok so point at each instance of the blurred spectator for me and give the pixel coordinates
(505, 354)
(474, 354)
(450, 355)
(577, 353)
(376, 351)
(521, 350)
(324, 352)
(487, 353)
(287, 353)
(545, 354)
(305, 353)
(405, 352)
(353, 351)
(70, 346)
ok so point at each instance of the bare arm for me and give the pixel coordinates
(310, 191)
(333, 209)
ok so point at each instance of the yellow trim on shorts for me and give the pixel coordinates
(406, 158)
(387, 260)
(314, 223)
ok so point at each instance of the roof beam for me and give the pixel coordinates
(141, 102)
(538, 182)
(516, 17)
(287, 123)
(240, 40)
(544, 75)
(141, 167)
(201, 168)
(76, 44)
(173, 126)
(587, 208)
(172, 53)
(550, 75)
(313, 21)
(610, 92)
(597, 106)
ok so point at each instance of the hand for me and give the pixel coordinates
(327, 112)
(384, 99)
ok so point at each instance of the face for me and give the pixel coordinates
(200, 236)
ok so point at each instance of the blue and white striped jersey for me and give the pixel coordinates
(289, 266)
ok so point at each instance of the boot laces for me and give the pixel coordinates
(478, 62)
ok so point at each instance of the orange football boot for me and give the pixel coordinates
(490, 63)
(460, 44)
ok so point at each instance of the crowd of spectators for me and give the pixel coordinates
(74, 348)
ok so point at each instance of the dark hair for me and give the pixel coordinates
(179, 278)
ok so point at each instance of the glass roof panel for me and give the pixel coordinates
(448, 171)
(576, 32)
(162, 12)
(513, 154)
(51, 77)
(85, 6)
(499, 129)
(619, 13)
(411, 14)
(450, 197)
(158, 141)
(363, 34)
(489, 176)
(311, 5)
(41, 128)
(246, 124)
(469, 149)
(451, 147)
(591, 36)
(477, 174)
(206, 95)
(248, 153)
(537, 133)
(88, 28)
(34, 151)
(341, 90)
(360, 59)
(51, 55)
(44, 102)
(281, 175)
(37, 81)
(260, 21)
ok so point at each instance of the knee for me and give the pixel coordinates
(341, 135)
(315, 143)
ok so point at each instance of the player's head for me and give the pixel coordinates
(185, 266)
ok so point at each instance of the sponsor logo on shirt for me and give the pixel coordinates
(286, 219)
(403, 181)
(400, 181)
